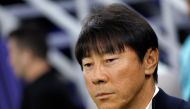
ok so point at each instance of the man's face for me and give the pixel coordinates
(16, 57)
(113, 80)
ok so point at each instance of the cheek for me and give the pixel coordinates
(88, 83)
(128, 80)
(90, 86)
(14, 60)
(14, 57)
(128, 85)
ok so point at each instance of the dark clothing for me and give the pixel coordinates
(164, 101)
(51, 91)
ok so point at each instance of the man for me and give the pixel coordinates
(45, 87)
(118, 52)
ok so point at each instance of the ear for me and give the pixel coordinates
(150, 61)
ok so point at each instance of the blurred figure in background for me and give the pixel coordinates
(10, 92)
(45, 88)
(185, 65)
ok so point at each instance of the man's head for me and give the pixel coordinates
(26, 44)
(118, 52)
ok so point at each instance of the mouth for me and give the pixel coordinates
(104, 95)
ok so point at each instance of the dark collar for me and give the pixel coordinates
(164, 101)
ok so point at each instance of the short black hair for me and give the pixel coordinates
(30, 35)
(114, 28)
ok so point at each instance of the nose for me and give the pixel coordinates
(99, 76)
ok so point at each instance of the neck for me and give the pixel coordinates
(37, 68)
(144, 96)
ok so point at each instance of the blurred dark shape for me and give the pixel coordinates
(183, 34)
(10, 2)
(45, 87)
(147, 8)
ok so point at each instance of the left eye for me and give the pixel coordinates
(110, 60)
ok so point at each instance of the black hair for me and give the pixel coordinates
(30, 35)
(114, 28)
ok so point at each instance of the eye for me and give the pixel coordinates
(87, 65)
(111, 60)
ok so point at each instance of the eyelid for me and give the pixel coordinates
(111, 59)
(85, 61)
(87, 64)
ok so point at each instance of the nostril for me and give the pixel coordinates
(99, 81)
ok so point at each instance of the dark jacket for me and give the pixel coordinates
(51, 91)
(164, 101)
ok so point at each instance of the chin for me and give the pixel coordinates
(109, 106)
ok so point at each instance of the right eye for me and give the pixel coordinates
(110, 60)
(87, 65)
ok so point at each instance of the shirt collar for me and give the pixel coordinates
(149, 106)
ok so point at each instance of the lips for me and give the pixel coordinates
(103, 95)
